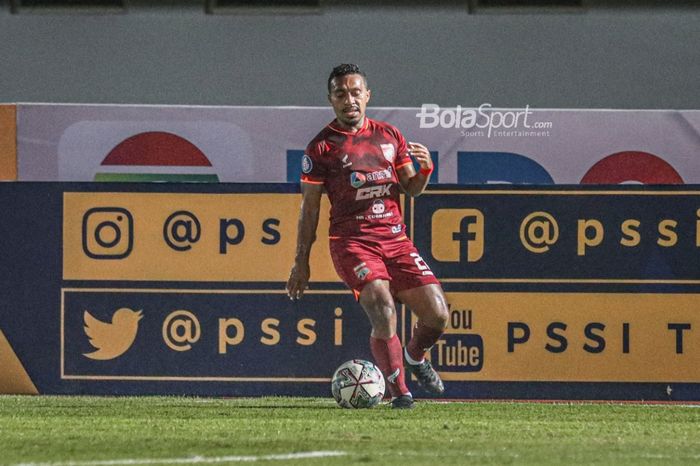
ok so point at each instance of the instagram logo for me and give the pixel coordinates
(108, 233)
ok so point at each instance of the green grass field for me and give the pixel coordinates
(309, 431)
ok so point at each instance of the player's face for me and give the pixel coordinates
(349, 96)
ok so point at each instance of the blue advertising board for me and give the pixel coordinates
(555, 292)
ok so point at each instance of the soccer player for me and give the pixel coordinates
(363, 164)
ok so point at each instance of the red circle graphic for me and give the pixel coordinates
(157, 148)
(641, 167)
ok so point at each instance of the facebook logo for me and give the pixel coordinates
(457, 235)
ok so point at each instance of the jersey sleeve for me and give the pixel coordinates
(312, 169)
(402, 158)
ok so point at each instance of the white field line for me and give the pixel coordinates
(195, 459)
(515, 455)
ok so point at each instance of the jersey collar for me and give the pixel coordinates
(334, 126)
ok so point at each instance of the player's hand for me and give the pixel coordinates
(421, 154)
(298, 281)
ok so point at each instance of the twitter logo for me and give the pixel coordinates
(112, 339)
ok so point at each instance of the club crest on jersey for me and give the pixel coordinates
(388, 151)
(357, 179)
(306, 164)
(362, 271)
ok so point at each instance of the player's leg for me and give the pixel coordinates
(415, 285)
(430, 306)
(428, 303)
(360, 266)
(377, 302)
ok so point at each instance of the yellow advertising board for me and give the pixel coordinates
(189, 237)
(571, 337)
(8, 142)
(13, 375)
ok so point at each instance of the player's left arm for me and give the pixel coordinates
(414, 183)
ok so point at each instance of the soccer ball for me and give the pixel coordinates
(358, 384)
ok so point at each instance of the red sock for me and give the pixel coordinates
(387, 354)
(422, 340)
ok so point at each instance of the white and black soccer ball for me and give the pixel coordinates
(358, 384)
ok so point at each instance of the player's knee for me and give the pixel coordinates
(441, 312)
(382, 312)
(383, 321)
(441, 318)
(378, 303)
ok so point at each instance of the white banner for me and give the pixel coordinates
(265, 144)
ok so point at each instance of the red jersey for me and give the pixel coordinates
(358, 171)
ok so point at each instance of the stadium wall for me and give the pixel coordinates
(630, 58)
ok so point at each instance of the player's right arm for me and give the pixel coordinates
(306, 235)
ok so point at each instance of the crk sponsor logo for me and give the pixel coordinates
(457, 235)
(156, 156)
(361, 270)
(373, 191)
(357, 179)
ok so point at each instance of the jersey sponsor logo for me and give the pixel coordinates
(372, 192)
(306, 164)
(357, 179)
(379, 175)
(378, 207)
(346, 162)
(378, 212)
(396, 229)
(374, 216)
(388, 151)
(361, 270)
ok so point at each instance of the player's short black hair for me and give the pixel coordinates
(345, 69)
